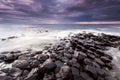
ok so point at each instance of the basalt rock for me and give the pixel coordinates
(21, 64)
(78, 57)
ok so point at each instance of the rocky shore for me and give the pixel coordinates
(78, 57)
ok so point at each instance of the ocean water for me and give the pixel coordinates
(38, 35)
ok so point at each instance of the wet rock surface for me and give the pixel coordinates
(79, 57)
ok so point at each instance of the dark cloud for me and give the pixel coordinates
(59, 10)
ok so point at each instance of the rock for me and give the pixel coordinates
(84, 50)
(105, 59)
(94, 64)
(64, 59)
(79, 47)
(92, 49)
(14, 72)
(87, 61)
(42, 57)
(85, 76)
(108, 56)
(49, 66)
(49, 77)
(34, 63)
(92, 71)
(110, 78)
(91, 56)
(59, 63)
(101, 72)
(100, 78)
(3, 73)
(6, 78)
(10, 57)
(65, 72)
(70, 51)
(74, 63)
(12, 37)
(22, 64)
(100, 52)
(109, 65)
(33, 75)
(25, 73)
(99, 61)
(3, 39)
(75, 73)
(81, 57)
(5, 70)
(2, 57)
(69, 56)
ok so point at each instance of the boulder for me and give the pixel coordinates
(21, 64)
(34, 63)
(65, 72)
(48, 66)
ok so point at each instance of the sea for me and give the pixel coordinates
(38, 35)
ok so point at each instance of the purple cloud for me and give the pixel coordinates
(59, 10)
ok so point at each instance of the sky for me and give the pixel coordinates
(59, 11)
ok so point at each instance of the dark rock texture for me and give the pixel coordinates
(79, 57)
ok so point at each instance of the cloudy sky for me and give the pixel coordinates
(58, 11)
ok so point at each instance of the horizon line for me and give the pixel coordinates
(99, 22)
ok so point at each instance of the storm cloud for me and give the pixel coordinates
(55, 11)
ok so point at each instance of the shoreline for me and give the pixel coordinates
(50, 57)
